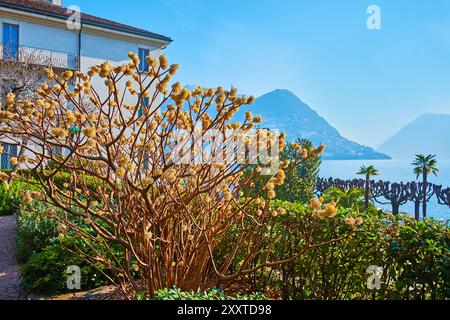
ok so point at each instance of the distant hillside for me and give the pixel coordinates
(429, 134)
(284, 111)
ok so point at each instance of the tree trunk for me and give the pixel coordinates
(424, 193)
(417, 209)
(395, 208)
(367, 192)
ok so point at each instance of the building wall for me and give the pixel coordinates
(97, 49)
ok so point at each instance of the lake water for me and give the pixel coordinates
(394, 171)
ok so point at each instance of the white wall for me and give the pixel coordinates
(95, 50)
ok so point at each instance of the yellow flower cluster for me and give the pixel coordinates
(60, 133)
(163, 62)
(134, 57)
(3, 176)
(10, 98)
(67, 75)
(354, 222)
(278, 180)
(322, 211)
(49, 74)
(315, 203)
(27, 199)
(120, 172)
(270, 187)
(171, 174)
(6, 116)
(90, 132)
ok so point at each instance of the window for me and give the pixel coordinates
(10, 41)
(9, 151)
(144, 104)
(56, 152)
(143, 53)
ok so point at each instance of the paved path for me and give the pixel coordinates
(9, 270)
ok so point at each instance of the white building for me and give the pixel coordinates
(41, 27)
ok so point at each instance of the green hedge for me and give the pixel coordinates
(10, 197)
(35, 231)
(46, 272)
(211, 294)
(415, 257)
(92, 183)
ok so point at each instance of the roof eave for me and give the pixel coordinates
(146, 34)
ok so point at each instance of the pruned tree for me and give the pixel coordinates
(396, 194)
(416, 191)
(443, 195)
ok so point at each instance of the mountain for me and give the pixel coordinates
(428, 134)
(282, 110)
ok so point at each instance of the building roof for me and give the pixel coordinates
(55, 11)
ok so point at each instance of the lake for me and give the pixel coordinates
(394, 171)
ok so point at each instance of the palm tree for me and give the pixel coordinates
(368, 172)
(348, 198)
(425, 165)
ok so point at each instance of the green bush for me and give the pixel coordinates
(10, 196)
(35, 231)
(45, 272)
(91, 183)
(414, 256)
(211, 294)
(420, 261)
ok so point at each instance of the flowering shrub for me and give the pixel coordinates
(165, 208)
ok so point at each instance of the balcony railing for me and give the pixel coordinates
(56, 59)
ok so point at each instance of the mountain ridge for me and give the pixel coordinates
(427, 134)
(299, 120)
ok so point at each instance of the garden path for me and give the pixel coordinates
(9, 270)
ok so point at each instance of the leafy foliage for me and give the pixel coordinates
(420, 261)
(45, 272)
(35, 231)
(352, 199)
(414, 257)
(301, 182)
(10, 195)
(211, 294)
(425, 165)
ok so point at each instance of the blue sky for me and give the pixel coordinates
(368, 84)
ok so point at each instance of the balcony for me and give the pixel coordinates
(56, 59)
